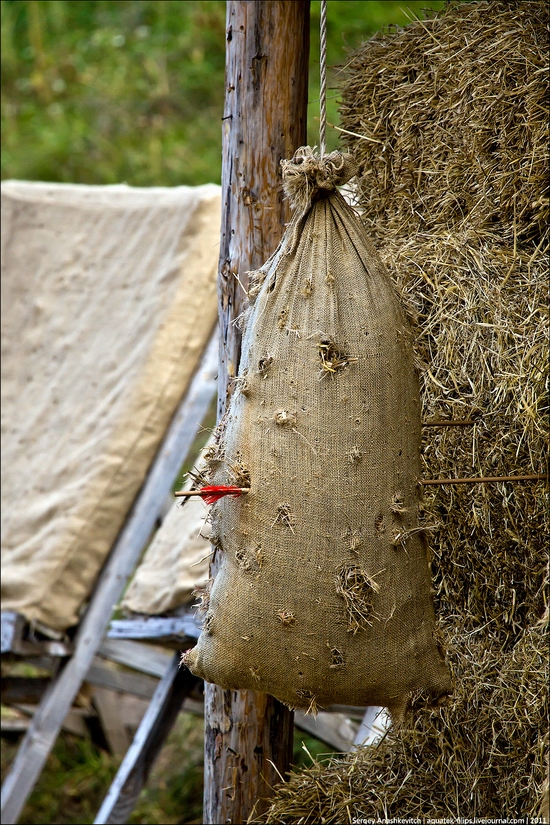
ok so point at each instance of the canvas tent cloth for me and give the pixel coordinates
(108, 299)
(175, 564)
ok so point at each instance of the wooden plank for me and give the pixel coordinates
(132, 710)
(175, 628)
(30, 650)
(11, 630)
(136, 655)
(15, 724)
(194, 706)
(374, 724)
(23, 689)
(32, 689)
(107, 704)
(17, 638)
(264, 121)
(138, 684)
(334, 729)
(355, 711)
(59, 697)
(173, 688)
(101, 674)
(337, 730)
(73, 722)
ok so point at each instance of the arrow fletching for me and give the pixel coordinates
(213, 492)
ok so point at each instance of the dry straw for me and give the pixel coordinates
(479, 756)
(453, 186)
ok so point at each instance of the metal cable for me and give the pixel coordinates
(323, 84)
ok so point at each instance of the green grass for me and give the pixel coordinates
(78, 775)
(72, 785)
(104, 92)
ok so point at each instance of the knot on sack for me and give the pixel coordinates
(307, 173)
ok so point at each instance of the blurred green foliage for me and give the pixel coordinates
(103, 92)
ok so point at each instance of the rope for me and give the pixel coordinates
(323, 85)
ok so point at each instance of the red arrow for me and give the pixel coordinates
(211, 493)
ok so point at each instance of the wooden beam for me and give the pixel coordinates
(12, 627)
(138, 684)
(176, 684)
(74, 722)
(58, 699)
(334, 729)
(17, 639)
(107, 704)
(136, 655)
(161, 629)
(248, 735)
(374, 724)
(101, 674)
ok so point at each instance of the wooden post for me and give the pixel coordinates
(248, 735)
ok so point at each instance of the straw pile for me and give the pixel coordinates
(453, 188)
(480, 756)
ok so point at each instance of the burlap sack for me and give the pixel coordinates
(323, 594)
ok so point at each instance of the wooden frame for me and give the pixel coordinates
(61, 692)
(172, 690)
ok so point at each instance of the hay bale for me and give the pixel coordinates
(458, 105)
(453, 188)
(453, 109)
(445, 765)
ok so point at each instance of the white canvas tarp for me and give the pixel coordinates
(108, 299)
(176, 562)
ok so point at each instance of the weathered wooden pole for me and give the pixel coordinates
(248, 735)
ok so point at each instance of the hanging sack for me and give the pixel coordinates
(323, 594)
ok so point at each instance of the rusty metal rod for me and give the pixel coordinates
(465, 423)
(483, 479)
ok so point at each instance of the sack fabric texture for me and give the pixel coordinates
(323, 593)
